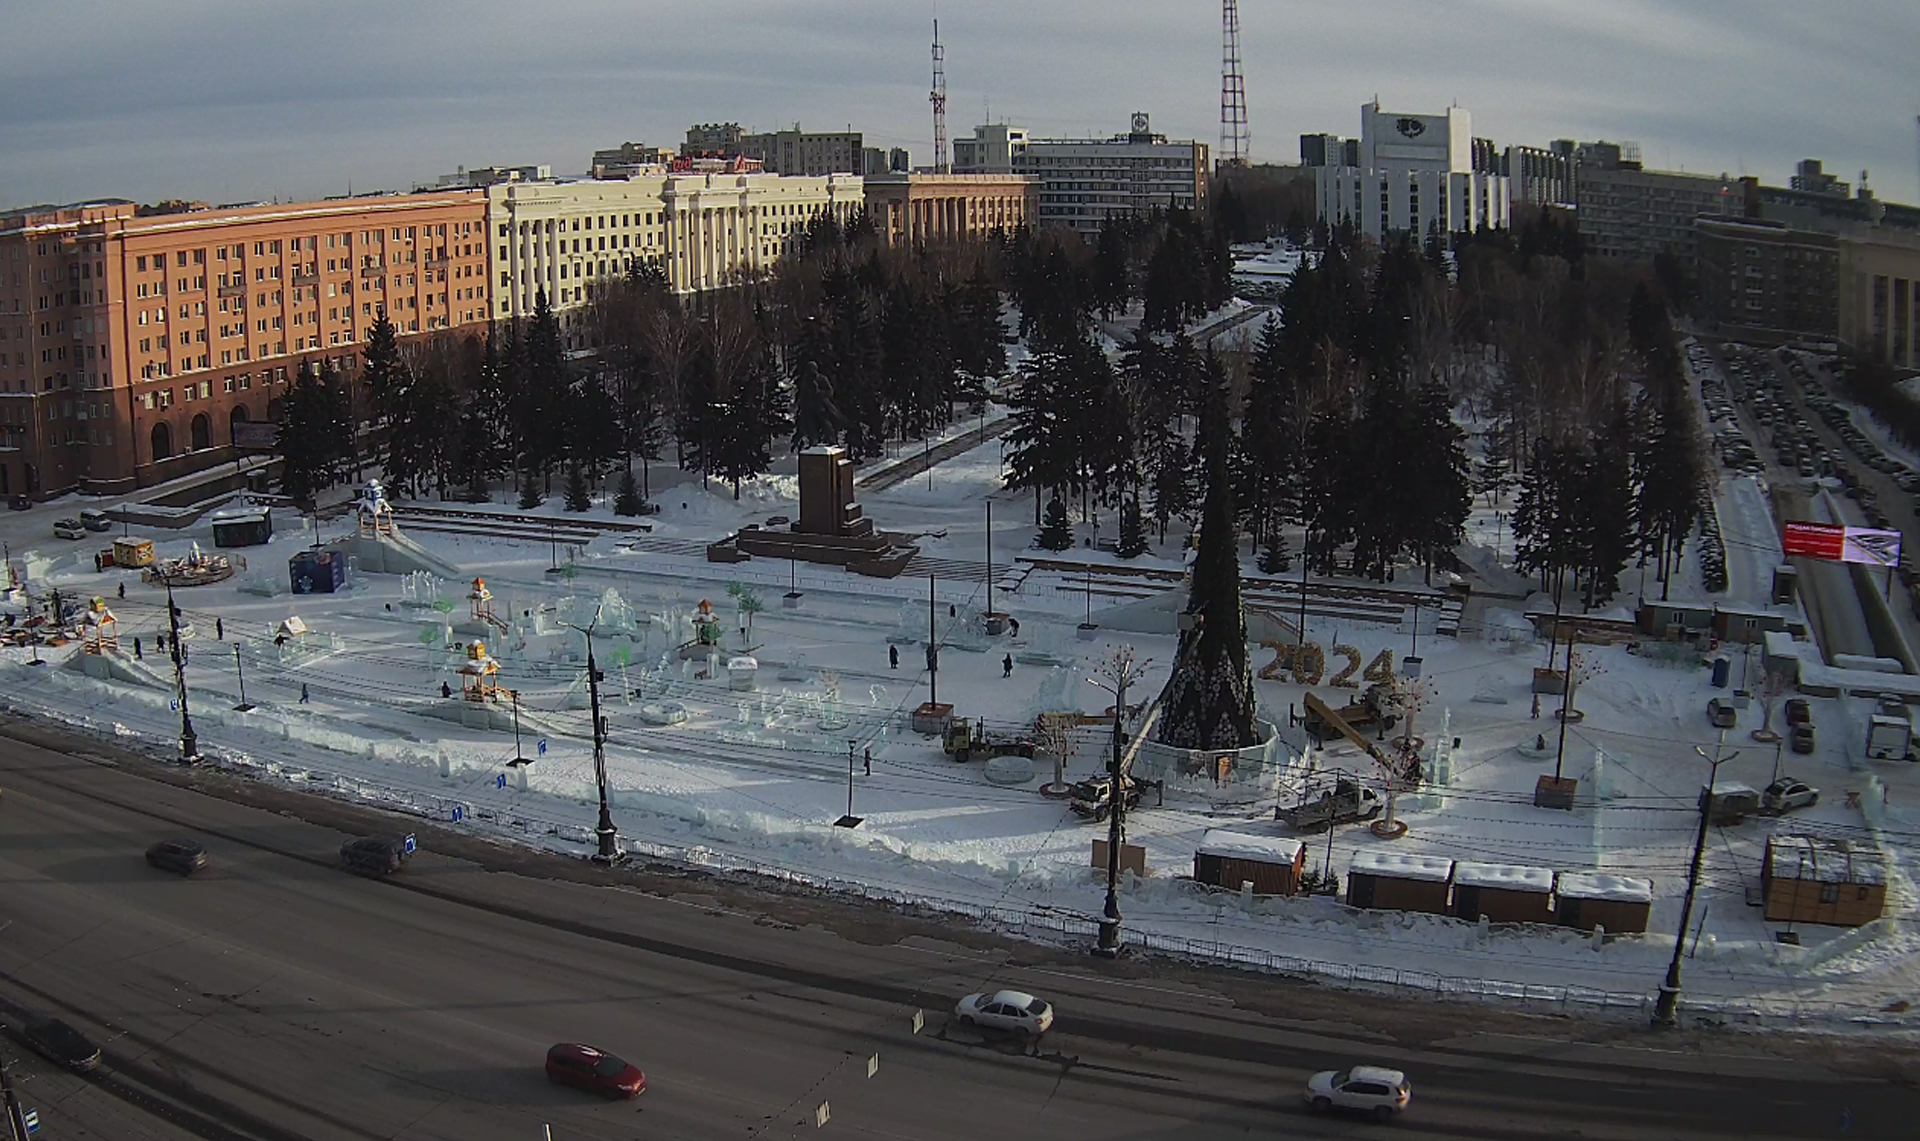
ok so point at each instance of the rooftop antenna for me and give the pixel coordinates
(1236, 140)
(939, 100)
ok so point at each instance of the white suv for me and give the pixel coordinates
(1369, 1089)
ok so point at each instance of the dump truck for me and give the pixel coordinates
(1347, 802)
(965, 740)
(1093, 797)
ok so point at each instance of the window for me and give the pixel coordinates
(1829, 893)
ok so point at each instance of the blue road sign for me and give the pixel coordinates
(542, 746)
(456, 814)
(500, 781)
(174, 705)
(409, 844)
(32, 1119)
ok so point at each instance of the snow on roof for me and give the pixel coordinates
(1823, 860)
(1508, 877)
(1732, 788)
(1599, 885)
(1244, 846)
(1398, 866)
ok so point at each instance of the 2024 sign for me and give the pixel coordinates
(1307, 663)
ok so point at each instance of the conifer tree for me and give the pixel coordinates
(384, 372)
(1056, 533)
(1133, 531)
(627, 501)
(578, 498)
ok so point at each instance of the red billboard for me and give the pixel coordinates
(1835, 543)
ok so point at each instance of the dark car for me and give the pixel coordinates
(19, 501)
(183, 857)
(373, 855)
(593, 1070)
(63, 1044)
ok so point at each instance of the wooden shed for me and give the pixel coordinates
(1814, 879)
(1504, 893)
(1392, 881)
(1587, 900)
(1271, 864)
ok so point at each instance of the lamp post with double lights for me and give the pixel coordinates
(607, 840)
(189, 742)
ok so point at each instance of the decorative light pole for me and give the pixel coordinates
(1666, 1013)
(607, 847)
(189, 743)
(1122, 669)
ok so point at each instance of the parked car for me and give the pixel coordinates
(594, 1070)
(373, 855)
(1009, 1011)
(1368, 1089)
(1799, 711)
(20, 501)
(68, 529)
(62, 1043)
(1720, 713)
(183, 857)
(1801, 737)
(1787, 794)
(94, 519)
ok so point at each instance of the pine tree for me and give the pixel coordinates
(1056, 533)
(627, 500)
(578, 498)
(308, 438)
(817, 418)
(1273, 553)
(1133, 531)
(1040, 444)
(384, 371)
(1208, 701)
(530, 496)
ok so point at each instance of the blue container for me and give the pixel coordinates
(318, 572)
(1722, 671)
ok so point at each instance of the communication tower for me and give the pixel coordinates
(1236, 139)
(939, 99)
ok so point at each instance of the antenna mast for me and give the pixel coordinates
(1236, 139)
(939, 99)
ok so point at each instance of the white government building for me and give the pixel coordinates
(1415, 171)
(706, 230)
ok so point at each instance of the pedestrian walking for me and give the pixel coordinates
(893, 657)
(1006, 666)
(952, 611)
(1013, 624)
(1536, 707)
(136, 651)
(123, 592)
(868, 758)
(160, 641)
(304, 699)
(219, 630)
(446, 690)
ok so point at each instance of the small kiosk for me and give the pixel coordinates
(1588, 900)
(243, 527)
(1504, 893)
(479, 677)
(133, 552)
(1392, 881)
(99, 630)
(1227, 859)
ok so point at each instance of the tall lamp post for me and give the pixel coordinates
(607, 847)
(189, 742)
(1121, 669)
(1666, 1013)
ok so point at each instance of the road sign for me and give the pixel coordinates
(500, 781)
(32, 1119)
(873, 1065)
(174, 704)
(456, 814)
(1835, 543)
(822, 1115)
(409, 844)
(919, 1021)
(541, 745)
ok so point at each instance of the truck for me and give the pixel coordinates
(1888, 738)
(1379, 705)
(964, 740)
(1347, 802)
(1093, 797)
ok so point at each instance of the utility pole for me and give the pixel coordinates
(1666, 1014)
(1566, 704)
(189, 743)
(519, 758)
(240, 672)
(933, 655)
(1123, 670)
(607, 849)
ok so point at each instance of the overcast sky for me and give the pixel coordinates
(228, 100)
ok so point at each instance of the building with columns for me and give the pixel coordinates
(1879, 285)
(721, 227)
(920, 208)
(132, 340)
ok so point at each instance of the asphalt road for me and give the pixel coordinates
(276, 998)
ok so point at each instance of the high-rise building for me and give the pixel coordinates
(135, 339)
(1762, 276)
(1083, 182)
(1879, 291)
(814, 154)
(626, 160)
(1415, 174)
(1631, 213)
(1539, 177)
(994, 149)
(718, 139)
(1810, 177)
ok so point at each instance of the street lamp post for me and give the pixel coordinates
(189, 743)
(1666, 1013)
(607, 846)
(1123, 669)
(240, 672)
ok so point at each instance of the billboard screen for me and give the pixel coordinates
(263, 435)
(1835, 543)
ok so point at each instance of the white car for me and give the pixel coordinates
(1369, 1089)
(1009, 1010)
(68, 529)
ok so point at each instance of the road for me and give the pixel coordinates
(274, 998)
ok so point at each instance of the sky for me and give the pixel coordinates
(239, 100)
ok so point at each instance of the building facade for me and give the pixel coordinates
(810, 153)
(1416, 174)
(1538, 177)
(920, 208)
(995, 148)
(137, 339)
(1635, 214)
(626, 160)
(1083, 182)
(1763, 277)
(1879, 295)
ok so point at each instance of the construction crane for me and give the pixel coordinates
(1405, 768)
(939, 100)
(1236, 138)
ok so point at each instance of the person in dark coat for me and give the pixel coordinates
(1013, 624)
(1006, 666)
(893, 657)
(136, 651)
(304, 699)
(869, 760)
(123, 591)
(220, 629)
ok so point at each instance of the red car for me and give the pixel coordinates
(583, 1067)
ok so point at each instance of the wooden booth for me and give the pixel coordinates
(1272, 864)
(243, 527)
(1504, 893)
(1620, 904)
(132, 552)
(1392, 881)
(1814, 879)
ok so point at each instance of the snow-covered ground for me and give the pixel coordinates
(754, 780)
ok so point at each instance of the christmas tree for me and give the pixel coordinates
(1209, 702)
